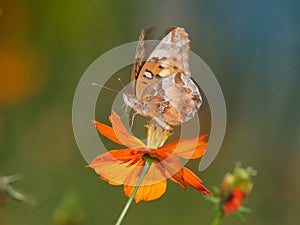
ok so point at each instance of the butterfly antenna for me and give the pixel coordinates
(107, 88)
(110, 89)
(121, 82)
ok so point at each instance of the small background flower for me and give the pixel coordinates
(234, 190)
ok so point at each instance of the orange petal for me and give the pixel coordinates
(122, 155)
(178, 178)
(155, 174)
(234, 201)
(107, 132)
(194, 181)
(191, 148)
(170, 166)
(170, 162)
(175, 171)
(116, 165)
(123, 135)
(153, 184)
(147, 193)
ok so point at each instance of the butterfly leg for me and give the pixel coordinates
(125, 110)
(163, 124)
(132, 119)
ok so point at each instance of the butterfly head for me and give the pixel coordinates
(130, 100)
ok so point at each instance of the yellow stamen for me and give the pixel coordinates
(156, 136)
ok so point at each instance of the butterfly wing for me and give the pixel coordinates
(168, 57)
(139, 58)
(174, 99)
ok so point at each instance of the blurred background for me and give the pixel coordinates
(253, 48)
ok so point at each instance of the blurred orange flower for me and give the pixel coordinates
(234, 201)
(21, 75)
(235, 187)
(124, 166)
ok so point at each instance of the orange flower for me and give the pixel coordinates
(234, 201)
(231, 196)
(235, 188)
(124, 166)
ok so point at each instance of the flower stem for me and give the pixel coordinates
(218, 219)
(126, 207)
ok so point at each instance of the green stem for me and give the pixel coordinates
(125, 209)
(218, 219)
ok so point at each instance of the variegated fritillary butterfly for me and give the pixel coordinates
(161, 85)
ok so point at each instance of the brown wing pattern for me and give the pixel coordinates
(140, 55)
(168, 57)
(174, 99)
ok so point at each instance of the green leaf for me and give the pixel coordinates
(240, 216)
(216, 190)
(244, 209)
(212, 199)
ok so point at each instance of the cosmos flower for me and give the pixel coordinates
(124, 166)
(233, 201)
(234, 189)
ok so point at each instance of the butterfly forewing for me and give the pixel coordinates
(139, 58)
(169, 56)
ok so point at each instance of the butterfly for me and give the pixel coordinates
(162, 88)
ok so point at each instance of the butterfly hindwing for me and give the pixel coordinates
(175, 98)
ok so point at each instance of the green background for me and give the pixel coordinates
(253, 49)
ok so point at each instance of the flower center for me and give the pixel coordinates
(149, 159)
(156, 136)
